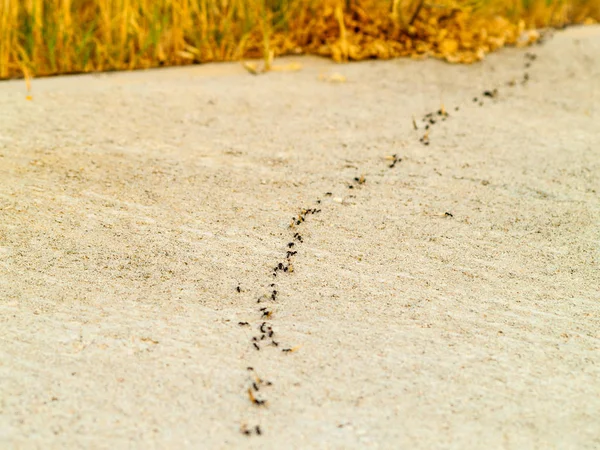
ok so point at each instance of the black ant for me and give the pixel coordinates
(256, 346)
(243, 324)
(255, 400)
(239, 289)
(449, 214)
(244, 430)
(395, 158)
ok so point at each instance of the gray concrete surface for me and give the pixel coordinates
(132, 205)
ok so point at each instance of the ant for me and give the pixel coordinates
(243, 324)
(395, 158)
(239, 289)
(255, 400)
(291, 350)
(244, 430)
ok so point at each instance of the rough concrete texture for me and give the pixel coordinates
(132, 206)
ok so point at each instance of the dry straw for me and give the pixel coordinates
(47, 37)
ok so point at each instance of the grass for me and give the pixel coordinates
(48, 37)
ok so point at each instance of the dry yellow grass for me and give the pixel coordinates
(47, 37)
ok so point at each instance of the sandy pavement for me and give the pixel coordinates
(132, 206)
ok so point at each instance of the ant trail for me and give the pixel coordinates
(429, 120)
(266, 334)
(265, 337)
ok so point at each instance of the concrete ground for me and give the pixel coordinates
(450, 301)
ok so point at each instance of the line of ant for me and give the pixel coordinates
(441, 115)
(266, 335)
(266, 332)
